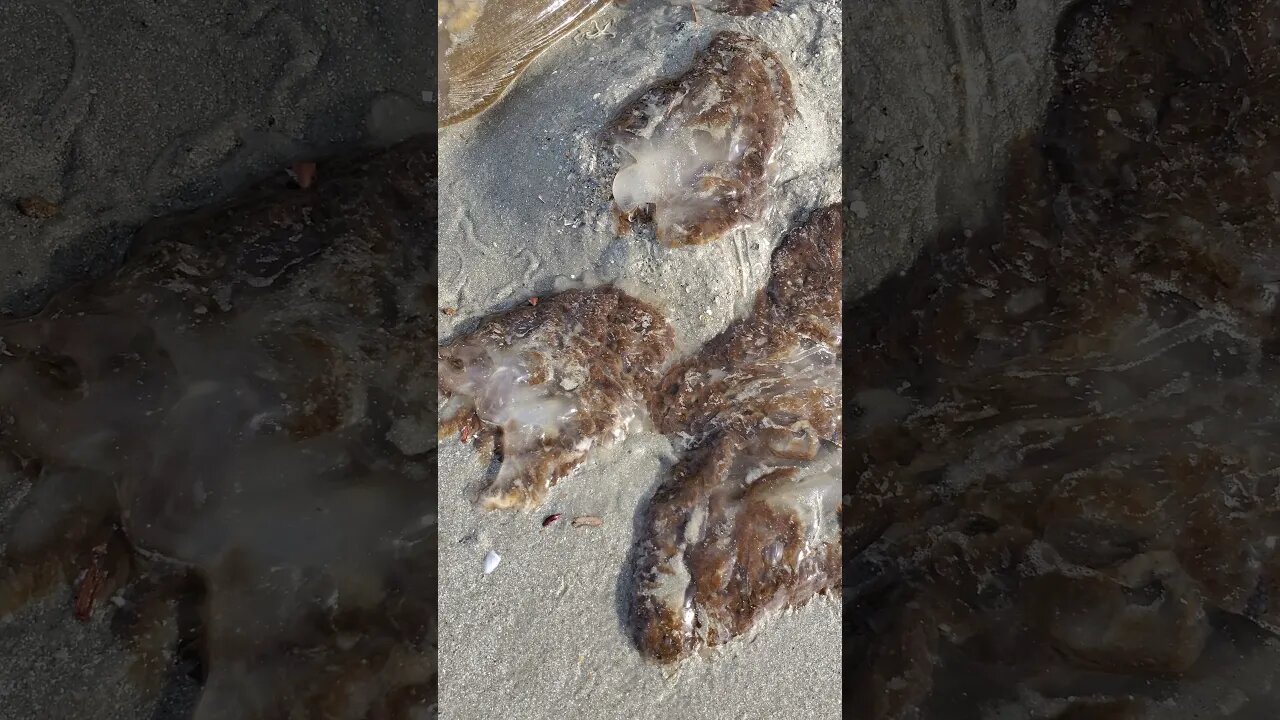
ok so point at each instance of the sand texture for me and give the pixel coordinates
(1062, 486)
(936, 91)
(525, 209)
(119, 111)
(113, 113)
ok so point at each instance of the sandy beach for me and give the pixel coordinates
(117, 112)
(524, 209)
(114, 113)
(939, 94)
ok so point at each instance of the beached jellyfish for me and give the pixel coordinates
(237, 424)
(696, 151)
(748, 521)
(1067, 424)
(544, 384)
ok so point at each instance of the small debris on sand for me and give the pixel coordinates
(491, 560)
(303, 173)
(34, 206)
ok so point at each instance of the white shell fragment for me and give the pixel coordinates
(491, 560)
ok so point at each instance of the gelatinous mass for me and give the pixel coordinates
(544, 383)
(237, 423)
(696, 151)
(748, 521)
(1067, 425)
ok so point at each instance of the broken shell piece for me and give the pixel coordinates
(34, 206)
(485, 45)
(503, 380)
(550, 519)
(90, 584)
(303, 173)
(587, 521)
(696, 151)
(491, 560)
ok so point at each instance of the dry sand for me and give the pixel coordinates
(118, 111)
(937, 89)
(523, 202)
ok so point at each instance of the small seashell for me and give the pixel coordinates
(550, 519)
(587, 521)
(491, 560)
